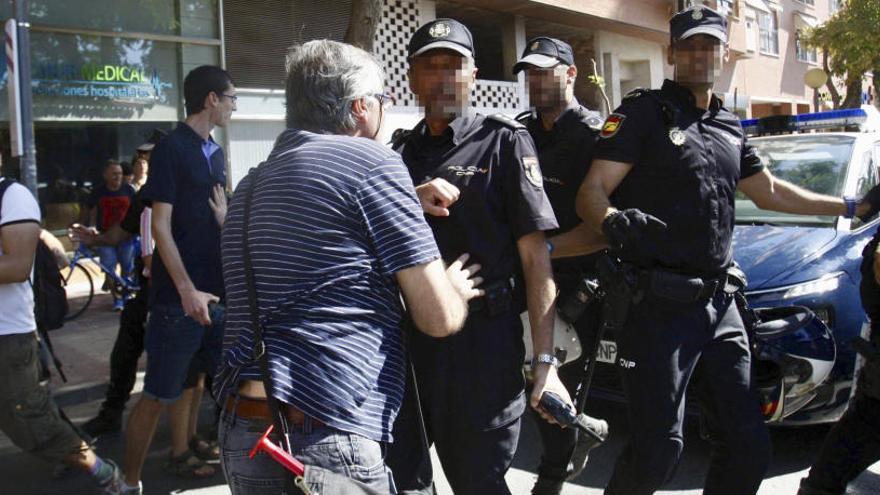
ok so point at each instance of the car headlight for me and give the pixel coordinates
(820, 285)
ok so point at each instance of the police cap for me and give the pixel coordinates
(698, 19)
(442, 33)
(544, 52)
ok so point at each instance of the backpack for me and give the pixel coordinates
(50, 297)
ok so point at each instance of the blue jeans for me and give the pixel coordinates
(175, 342)
(122, 254)
(349, 455)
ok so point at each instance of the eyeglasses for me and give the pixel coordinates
(385, 99)
(234, 98)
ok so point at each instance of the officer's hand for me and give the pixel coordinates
(870, 204)
(436, 196)
(463, 278)
(83, 234)
(627, 229)
(195, 305)
(547, 380)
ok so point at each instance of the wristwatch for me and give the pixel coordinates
(544, 358)
(850, 206)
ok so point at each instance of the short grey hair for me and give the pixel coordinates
(324, 77)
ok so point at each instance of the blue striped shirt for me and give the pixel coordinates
(332, 219)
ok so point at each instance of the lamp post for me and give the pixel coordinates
(815, 78)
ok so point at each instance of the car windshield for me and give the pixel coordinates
(815, 162)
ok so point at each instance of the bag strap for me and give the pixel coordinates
(259, 351)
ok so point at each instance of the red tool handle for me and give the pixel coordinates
(275, 452)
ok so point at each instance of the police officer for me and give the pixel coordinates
(564, 133)
(480, 184)
(671, 162)
(853, 444)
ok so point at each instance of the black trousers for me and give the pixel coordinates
(853, 444)
(662, 346)
(126, 351)
(559, 443)
(471, 395)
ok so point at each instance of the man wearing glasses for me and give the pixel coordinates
(480, 184)
(185, 326)
(335, 234)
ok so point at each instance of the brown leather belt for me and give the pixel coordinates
(248, 408)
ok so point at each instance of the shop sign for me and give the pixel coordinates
(126, 82)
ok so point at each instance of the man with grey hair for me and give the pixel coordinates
(332, 230)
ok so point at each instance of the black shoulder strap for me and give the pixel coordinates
(507, 121)
(259, 352)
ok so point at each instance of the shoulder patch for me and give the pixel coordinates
(612, 125)
(532, 171)
(507, 121)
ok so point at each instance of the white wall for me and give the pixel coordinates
(626, 55)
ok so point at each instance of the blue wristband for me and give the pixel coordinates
(850, 206)
(550, 247)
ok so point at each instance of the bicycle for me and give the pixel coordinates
(74, 274)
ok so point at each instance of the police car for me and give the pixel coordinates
(811, 261)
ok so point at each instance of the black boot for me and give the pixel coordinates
(107, 421)
(547, 486)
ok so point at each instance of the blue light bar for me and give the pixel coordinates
(805, 122)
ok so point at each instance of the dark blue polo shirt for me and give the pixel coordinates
(687, 162)
(332, 220)
(182, 175)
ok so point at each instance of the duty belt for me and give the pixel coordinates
(498, 298)
(683, 288)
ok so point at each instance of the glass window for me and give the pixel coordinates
(816, 163)
(193, 18)
(768, 32)
(807, 2)
(727, 7)
(804, 52)
(834, 5)
(867, 180)
(78, 77)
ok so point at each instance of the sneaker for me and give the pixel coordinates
(547, 486)
(118, 304)
(116, 484)
(105, 422)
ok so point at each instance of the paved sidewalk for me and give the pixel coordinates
(84, 347)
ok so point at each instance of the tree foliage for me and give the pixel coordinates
(850, 40)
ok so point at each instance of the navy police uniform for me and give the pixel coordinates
(471, 384)
(565, 152)
(683, 322)
(853, 444)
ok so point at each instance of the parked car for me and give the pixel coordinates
(810, 261)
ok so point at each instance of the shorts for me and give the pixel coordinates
(174, 342)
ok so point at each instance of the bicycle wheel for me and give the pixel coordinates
(80, 289)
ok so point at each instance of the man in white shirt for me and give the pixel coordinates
(28, 415)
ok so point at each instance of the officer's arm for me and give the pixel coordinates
(771, 193)
(436, 298)
(593, 203)
(579, 241)
(540, 289)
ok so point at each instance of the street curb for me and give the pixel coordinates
(77, 394)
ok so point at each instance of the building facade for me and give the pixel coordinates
(107, 72)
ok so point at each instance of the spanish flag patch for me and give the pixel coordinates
(612, 125)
